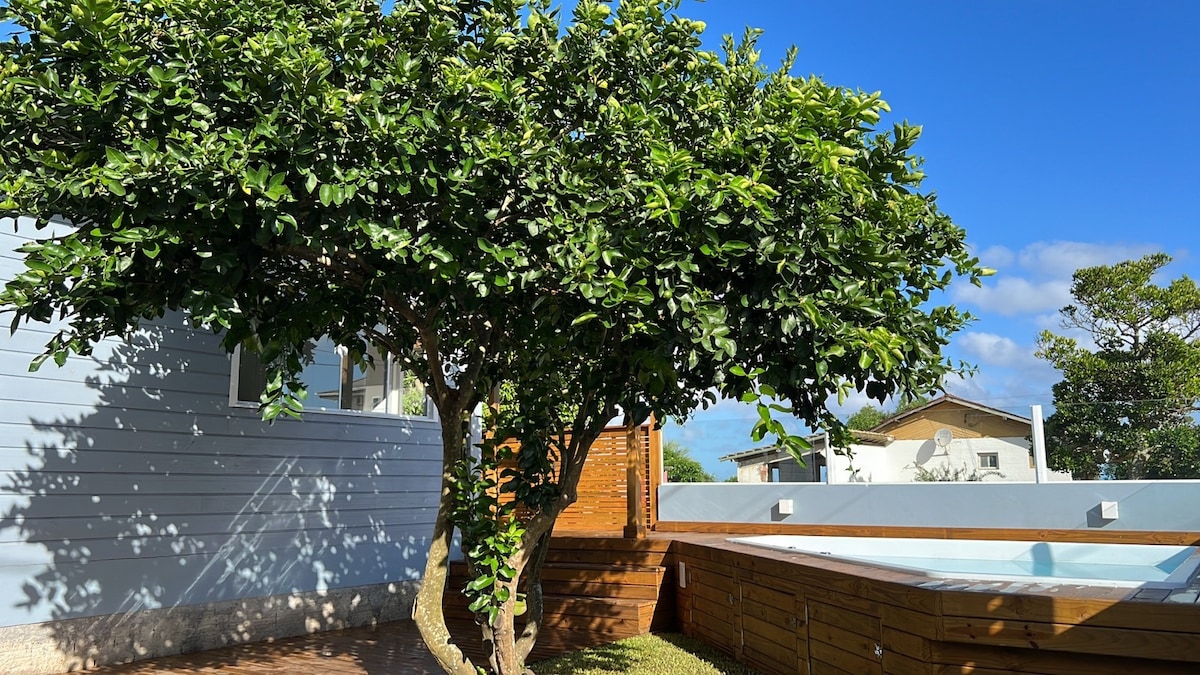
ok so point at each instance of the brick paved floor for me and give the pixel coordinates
(390, 648)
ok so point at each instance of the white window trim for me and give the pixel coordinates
(235, 362)
(979, 460)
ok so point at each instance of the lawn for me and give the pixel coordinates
(661, 654)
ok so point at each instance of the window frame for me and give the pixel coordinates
(235, 362)
(994, 456)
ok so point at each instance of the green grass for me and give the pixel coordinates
(661, 654)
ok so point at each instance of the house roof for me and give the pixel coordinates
(867, 437)
(957, 402)
(877, 435)
(748, 454)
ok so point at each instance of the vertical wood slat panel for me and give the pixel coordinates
(601, 503)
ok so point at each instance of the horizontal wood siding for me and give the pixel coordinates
(962, 421)
(127, 481)
(853, 618)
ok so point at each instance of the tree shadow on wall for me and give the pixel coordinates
(152, 519)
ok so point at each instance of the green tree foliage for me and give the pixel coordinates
(1124, 408)
(868, 417)
(594, 210)
(682, 467)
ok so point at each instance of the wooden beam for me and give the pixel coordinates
(656, 468)
(635, 493)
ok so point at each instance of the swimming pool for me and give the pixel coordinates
(1115, 565)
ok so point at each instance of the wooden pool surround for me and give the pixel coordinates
(785, 612)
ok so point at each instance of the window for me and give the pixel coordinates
(335, 383)
(989, 460)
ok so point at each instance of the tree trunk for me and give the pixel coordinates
(513, 651)
(507, 651)
(534, 601)
(506, 660)
(427, 609)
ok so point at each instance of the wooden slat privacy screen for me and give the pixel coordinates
(602, 505)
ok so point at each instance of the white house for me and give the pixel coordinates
(949, 438)
(146, 509)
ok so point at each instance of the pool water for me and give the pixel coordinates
(1121, 565)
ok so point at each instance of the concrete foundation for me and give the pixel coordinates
(78, 644)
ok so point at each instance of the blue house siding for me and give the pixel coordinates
(129, 484)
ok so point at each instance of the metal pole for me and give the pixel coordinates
(1040, 473)
(829, 459)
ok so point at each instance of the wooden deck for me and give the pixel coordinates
(778, 610)
(786, 613)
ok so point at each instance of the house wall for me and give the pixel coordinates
(142, 515)
(759, 469)
(790, 471)
(897, 462)
(753, 472)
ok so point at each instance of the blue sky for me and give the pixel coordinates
(1058, 134)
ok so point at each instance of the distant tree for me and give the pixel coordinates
(682, 467)
(869, 416)
(1124, 408)
(907, 404)
(731, 479)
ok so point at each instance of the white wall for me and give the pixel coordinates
(1143, 505)
(897, 461)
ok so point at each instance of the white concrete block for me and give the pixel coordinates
(1108, 510)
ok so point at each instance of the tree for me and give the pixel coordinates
(868, 417)
(682, 467)
(1124, 408)
(600, 214)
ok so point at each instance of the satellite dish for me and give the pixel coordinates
(942, 437)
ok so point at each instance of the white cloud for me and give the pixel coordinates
(969, 388)
(989, 349)
(1060, 259)
(1010, 296)
(1037, 279)
(1051, 321)
(1009, 375)
(997, 257)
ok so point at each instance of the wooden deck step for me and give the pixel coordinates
(614, 617)
(588, 579)
(608, 551)
(598, 589)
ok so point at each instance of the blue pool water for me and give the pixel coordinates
(1125, 565)
(1026, 568)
